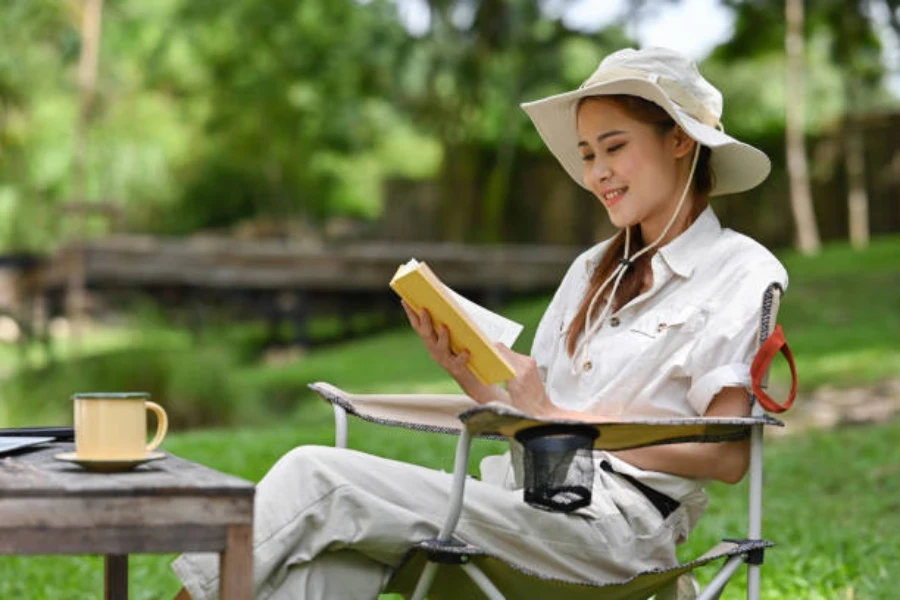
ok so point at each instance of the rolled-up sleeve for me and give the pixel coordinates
(721, 357)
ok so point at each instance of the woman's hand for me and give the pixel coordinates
(526, 390)
(437, 341)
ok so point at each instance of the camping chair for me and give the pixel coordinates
(481, 575)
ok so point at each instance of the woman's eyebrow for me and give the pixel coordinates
(602, 136)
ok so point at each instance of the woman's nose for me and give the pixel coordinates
(600, 172)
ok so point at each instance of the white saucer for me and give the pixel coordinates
(109, 465)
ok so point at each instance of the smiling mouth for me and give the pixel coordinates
(613, 196)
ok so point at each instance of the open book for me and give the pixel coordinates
(472, 327)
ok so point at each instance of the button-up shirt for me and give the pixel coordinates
(671, 349)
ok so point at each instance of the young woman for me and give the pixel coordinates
(660, 320)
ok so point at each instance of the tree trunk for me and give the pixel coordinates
(798, 171)
(857, 197)
(91, 17)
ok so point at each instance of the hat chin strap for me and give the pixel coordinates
(619, 272)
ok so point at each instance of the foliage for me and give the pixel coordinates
(207, 116)
(844, 56)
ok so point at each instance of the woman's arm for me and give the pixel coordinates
(724, 461)
(437, 341)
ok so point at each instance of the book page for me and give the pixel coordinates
(496, 328)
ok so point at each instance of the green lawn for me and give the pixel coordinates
(832, 497)
(832, 501)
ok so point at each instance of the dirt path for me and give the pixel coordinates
(829, 407)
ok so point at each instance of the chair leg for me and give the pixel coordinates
(484, 584)
(753, 582)
(425, 580)
(715, 587)
(457, 492)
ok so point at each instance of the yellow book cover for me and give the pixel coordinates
(420, 287)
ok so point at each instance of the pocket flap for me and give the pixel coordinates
(658, 322)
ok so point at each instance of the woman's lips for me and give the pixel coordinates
(612, 197)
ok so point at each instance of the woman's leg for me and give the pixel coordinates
(344, 574)
(317, 500)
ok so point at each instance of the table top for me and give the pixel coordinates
(35, 473)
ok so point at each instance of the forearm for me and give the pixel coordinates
(723, 461)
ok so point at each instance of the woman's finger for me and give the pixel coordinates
(427, 327)
(443, 341)
(459, 363)
(410, 314)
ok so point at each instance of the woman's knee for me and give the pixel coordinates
(307, 463)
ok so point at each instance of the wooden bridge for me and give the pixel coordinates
(289, 281)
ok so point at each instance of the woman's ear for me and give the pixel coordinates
(684, 143)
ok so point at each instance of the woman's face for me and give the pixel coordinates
(631, 167)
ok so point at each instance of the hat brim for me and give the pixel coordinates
(737, 166)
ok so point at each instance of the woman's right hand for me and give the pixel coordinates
(437, 341)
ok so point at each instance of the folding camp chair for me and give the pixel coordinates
(483, 576)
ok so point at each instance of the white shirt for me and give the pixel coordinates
(670, 350)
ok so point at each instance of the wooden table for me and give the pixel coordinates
(170, 505)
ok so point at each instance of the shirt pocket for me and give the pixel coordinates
(662, 332)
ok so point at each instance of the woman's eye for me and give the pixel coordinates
(587, 157)
(615, 148)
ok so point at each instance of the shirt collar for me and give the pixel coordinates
(681, 253)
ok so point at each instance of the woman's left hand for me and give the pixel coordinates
(526, 390)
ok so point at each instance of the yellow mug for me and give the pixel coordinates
(114, 426)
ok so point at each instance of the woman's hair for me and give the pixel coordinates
(630, 286)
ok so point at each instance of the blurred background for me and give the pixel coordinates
(205, 200)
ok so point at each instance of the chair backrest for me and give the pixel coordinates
(771, 302)
(770, 305)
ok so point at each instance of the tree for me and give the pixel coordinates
(91, 20)
(853, 47)
(478, 60)
(801, 199)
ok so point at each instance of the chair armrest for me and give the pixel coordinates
(496, 419)
(423, 412)
(449, 413)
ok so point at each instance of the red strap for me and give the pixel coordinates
(767, 351)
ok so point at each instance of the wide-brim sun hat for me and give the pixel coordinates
(673, 82)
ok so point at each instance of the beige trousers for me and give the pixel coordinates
(332, 523)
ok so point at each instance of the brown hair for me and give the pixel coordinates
(630, 286)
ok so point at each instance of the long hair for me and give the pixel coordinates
(630, 286)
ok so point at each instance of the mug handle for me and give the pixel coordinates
(162, 425)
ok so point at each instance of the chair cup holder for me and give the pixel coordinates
(558, 466)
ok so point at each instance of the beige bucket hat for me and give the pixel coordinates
(671, 81)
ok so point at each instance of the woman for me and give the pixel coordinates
(660, 320)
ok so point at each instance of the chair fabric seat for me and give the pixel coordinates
(514, 581)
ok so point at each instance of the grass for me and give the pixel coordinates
(842, 314)
(832, 498)
(831, 506)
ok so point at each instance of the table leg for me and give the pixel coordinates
(236, 564)
(116, 577)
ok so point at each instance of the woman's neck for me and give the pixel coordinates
(652, 228)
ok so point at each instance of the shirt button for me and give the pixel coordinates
(614, 321)
(661, 327)
(588, 365)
